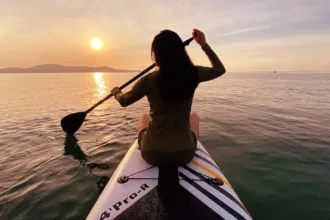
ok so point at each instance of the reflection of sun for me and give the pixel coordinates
(96, 43)
(101, 87)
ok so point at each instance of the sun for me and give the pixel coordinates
(96, 43)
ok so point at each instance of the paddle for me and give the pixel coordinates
(71, 123)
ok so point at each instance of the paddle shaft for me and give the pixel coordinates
(187, 42)
(122, 87)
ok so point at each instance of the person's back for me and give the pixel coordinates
(169, 128)
(169, 134)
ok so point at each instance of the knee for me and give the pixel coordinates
(145, 117)
(194, 116)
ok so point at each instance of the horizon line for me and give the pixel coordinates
(134, 70)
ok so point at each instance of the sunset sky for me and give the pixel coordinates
(248, 35)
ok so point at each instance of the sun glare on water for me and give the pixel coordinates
(96, 43)
(101, 87)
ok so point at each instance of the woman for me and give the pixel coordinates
(169, 134)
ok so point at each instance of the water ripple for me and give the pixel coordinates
(269, 134)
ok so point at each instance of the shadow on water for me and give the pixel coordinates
(71, 147)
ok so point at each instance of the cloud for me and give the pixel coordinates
(128, 27)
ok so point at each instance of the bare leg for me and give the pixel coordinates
(194, 123)
(143, 122)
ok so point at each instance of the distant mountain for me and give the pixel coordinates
(57, 68)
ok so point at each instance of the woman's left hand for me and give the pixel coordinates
(114, 91)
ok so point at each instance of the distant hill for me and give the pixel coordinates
(57, 68)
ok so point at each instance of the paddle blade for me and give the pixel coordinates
(71, 123)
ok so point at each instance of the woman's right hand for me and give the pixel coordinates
(199, 37)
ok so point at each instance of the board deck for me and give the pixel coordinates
(197, 190)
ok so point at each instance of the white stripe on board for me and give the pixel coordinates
(206, 158)
(208, 166)
(212, 205)
(200, 146)
(214, 192)
(229, 190)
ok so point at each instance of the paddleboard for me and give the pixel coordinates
(197, 190)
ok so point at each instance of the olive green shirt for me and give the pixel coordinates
(169, 128)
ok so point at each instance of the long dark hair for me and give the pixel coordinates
(177, 79)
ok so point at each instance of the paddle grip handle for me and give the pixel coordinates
(185, 43)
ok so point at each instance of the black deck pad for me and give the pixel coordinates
(168, 201)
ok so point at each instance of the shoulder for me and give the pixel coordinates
(148, 77)
(151, 77)
(147, 81)
(153, 74)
